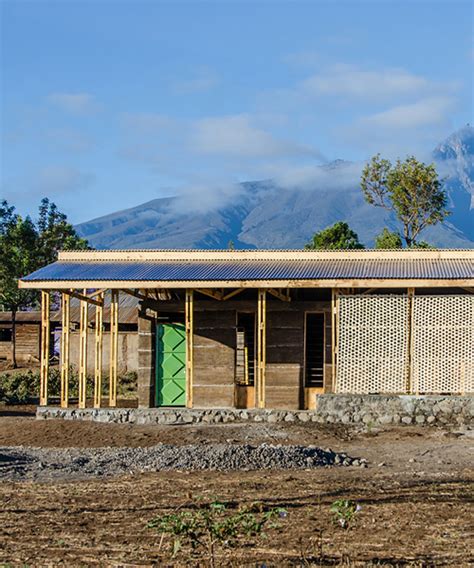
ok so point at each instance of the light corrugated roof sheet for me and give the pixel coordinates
(245, 269)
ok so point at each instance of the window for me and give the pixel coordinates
(314, 350)
(5, 334)
(245, 350)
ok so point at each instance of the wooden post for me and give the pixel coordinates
(189, 320)
(261, 348)
(411, 383)
(113, 348)
(98, 353)
(65, 327)
(44, 370)
(83, 308)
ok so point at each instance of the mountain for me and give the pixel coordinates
(267, 214)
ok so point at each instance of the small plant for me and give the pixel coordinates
(209, 526)
(345, 512)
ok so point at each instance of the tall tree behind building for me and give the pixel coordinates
(26, 247)
(410, 189)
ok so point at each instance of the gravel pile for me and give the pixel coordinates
(38, 464)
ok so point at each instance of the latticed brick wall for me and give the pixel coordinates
(443, 344)
(372, 353)
(395, 344)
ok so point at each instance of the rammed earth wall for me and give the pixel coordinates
(369, 410)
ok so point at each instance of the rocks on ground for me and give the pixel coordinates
(40, 464)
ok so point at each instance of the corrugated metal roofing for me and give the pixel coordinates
(21, 317)
(245, 269)
(128, 310)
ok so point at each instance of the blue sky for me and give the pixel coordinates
(105, 105)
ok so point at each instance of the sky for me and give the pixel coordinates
(106, 104)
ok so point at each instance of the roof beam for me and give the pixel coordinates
(260, 254)
(278, 294)
(211, 293)
(233, 293)
(83, 297)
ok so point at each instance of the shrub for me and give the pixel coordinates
(209, 526)
(344, 512)
(23, 386)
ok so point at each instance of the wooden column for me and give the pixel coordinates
(44, 370)
(83, 309)
(114, 309)
(189, 312)
(98, 352)
(65, 328)
(261, 348)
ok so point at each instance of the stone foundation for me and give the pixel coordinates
(368, 410)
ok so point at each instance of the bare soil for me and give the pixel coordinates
(416, 496)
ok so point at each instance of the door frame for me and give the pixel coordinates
(310, 393)
(158, 323)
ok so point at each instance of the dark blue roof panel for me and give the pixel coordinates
(223, 270)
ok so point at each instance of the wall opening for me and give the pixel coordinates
(314, 351)
(245, 350)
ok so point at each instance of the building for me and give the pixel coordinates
(28, 337)
(270, 329)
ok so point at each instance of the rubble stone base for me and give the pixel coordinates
(366, 410)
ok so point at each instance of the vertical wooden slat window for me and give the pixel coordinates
(314, 350)
(245, 352)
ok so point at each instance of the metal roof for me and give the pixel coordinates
(243, 269)
(32, 316)
(128, 310)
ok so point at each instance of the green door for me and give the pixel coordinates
(170, 364)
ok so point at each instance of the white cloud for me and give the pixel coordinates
(204, 196)
(202, 80)
(350, 81)
(334, 176)
(424, 112)
(74, 103)
(239, 137)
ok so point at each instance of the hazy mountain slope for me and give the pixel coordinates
(266, 215)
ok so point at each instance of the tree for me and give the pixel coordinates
(55, 233)
(339, 236)
(26, 247)
(388, 240)
(410, 189)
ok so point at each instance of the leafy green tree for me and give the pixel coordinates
(26, 247)
(339, 236)
(410, 189)
(55, 233)
(388, 240)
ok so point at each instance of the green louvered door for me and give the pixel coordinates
(170, 364)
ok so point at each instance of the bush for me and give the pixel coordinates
(23, 387)
(206, 527)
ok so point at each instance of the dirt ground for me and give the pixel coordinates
(416, 497)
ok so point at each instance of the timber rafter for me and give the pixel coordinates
(85, 297)
(280, 295)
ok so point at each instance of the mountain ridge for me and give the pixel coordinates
(268, 214)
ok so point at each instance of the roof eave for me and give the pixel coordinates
(319, 283)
